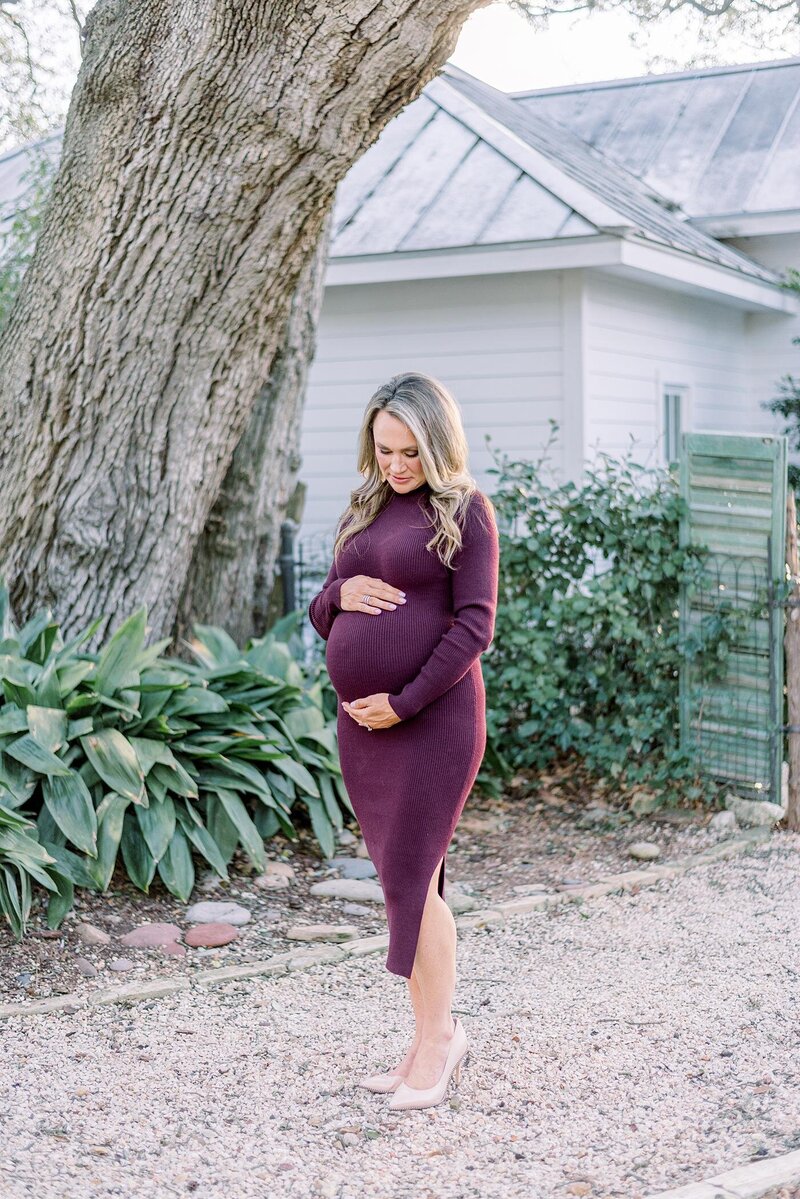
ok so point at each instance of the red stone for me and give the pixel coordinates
(175, 949)
(209, 935)
(150, 935)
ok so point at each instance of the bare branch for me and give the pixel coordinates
(647, 11)
(76, 16)
(28, 55)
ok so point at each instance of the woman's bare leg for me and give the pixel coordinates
(419, 1016)
(435, 971)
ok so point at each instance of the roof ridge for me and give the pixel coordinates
(652, 77)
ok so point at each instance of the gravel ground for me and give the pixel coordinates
(499, 845)
(618, 1048)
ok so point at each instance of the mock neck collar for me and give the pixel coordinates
(424, 489)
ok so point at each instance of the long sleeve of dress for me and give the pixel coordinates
(326, 603)
(474, 589)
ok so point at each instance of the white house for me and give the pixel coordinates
(608, 255)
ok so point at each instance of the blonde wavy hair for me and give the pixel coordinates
(433, 416)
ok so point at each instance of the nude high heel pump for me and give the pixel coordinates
(413, 1097)
(382, 1084)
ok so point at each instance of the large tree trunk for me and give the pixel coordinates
(231, 577)
(202, 150)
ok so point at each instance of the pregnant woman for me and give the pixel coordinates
(407, 608)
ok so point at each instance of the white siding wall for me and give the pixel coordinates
(494, 340)
(638, 339)
(771, 352)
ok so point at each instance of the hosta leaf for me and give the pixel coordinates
(81, 701)
(324, 737)
(139, 862)
(31, 753)
(32, 630)
(13, 672)
(13, 719)
(11, 819)
(157, 823)
(149, 655)
(203, 842)
(48, 726)
(117, 662)
(329, 799)
(302, 721)
(298, 774)
(344, 798)
(249, 835)
(176, 868)
(196, 701)
(284, 786)
(114, 758)
(60, 902)
(267, 822)
(221, 827)
(21, 696)
(110, 816)
(213, 646)
(31, 858)
(163, 678)
(323, 829)
(69, 803)
(69, 865)
(10, 900)
(79, 728)
(176, 779)
(149, 751)
(156, 787)
(243, 770)
(71, 673)
(275, 659)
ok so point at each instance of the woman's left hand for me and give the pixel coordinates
(373, 710)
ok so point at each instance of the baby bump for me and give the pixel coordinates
(368, 654)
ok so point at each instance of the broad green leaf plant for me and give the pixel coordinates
(124, 754)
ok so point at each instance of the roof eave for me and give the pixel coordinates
(658, 265)
(748, 224)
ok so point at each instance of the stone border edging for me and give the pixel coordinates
(743, 1182)
(301, 959)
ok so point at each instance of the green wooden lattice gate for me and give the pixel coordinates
(735, 492)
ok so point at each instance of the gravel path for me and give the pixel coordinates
(619, 1048)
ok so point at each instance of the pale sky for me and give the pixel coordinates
(502, 48)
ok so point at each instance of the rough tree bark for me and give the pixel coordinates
(201, 155)
(231, 576)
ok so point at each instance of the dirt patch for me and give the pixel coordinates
(552, 832)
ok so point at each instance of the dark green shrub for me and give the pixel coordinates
(586, 651)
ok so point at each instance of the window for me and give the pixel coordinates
(672, 419)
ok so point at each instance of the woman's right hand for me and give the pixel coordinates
(381, 595)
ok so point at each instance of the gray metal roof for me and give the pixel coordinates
(467, 165)
(442, 175)
(723, 141)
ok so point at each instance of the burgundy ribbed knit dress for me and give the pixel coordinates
(408, 783)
